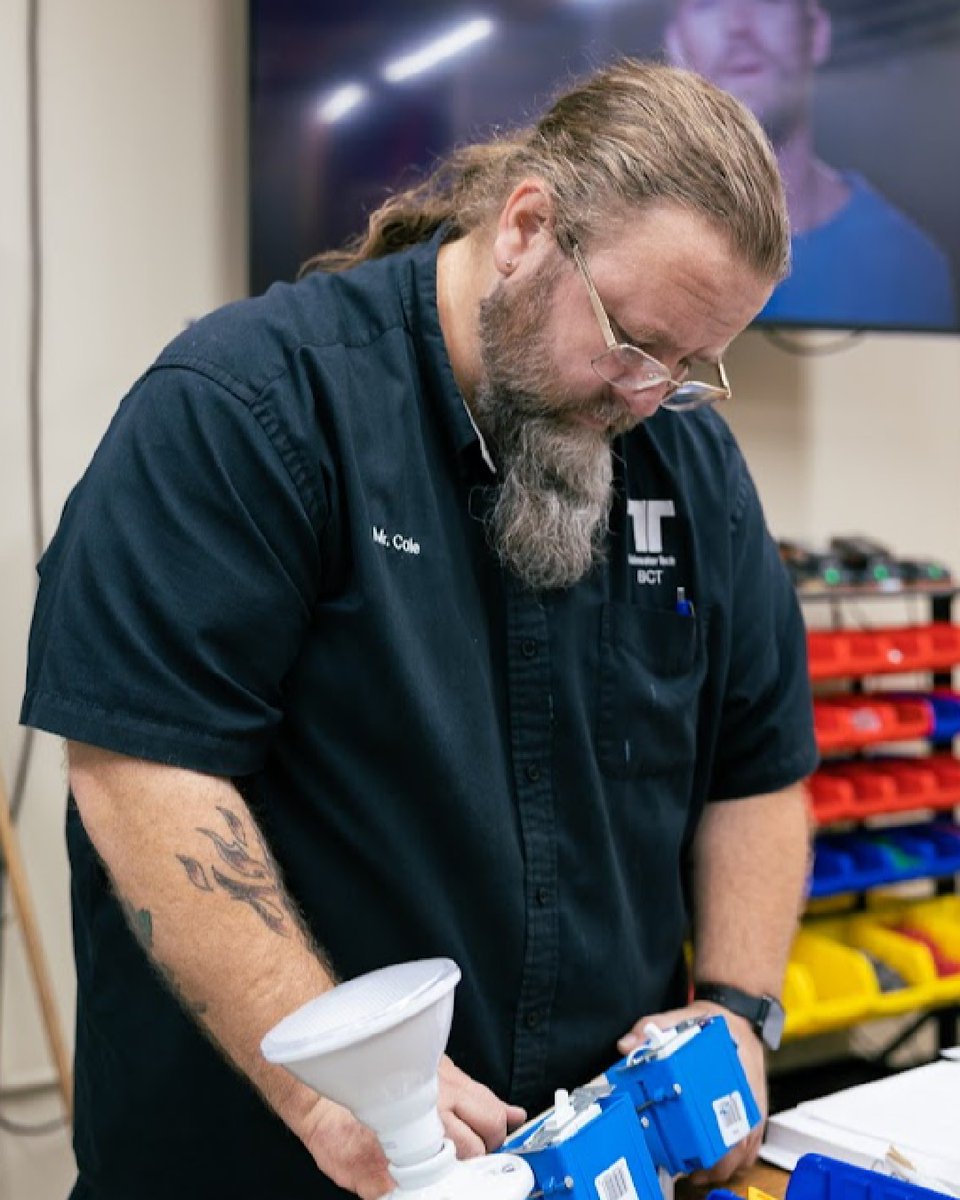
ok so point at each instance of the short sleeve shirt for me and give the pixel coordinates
(275, 570)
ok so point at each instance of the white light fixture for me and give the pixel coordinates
(343, 100)
(374, 1044)
(454, 42)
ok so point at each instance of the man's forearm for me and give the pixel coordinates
(750, 866)
(204, 897)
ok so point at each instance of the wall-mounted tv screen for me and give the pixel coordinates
(861, 99)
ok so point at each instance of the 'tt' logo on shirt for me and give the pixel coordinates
(646, 520)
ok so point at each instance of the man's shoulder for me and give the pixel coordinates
(251, 343)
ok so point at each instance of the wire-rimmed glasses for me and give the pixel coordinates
(630, 369)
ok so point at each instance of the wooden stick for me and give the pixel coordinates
(10, 853)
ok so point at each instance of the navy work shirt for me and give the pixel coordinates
(275, 570)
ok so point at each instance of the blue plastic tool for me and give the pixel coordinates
(677, 1103)
(690, 1092)
(589, 1146)
(818, 1177)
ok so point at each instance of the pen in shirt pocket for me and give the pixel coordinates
(684, 606)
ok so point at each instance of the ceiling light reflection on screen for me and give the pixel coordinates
(438, 50)
(340, 102)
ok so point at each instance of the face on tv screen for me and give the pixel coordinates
(860, 98)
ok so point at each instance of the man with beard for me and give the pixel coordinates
(397, 616)
(857, 260)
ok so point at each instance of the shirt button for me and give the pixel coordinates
(533, 1019)
(528, 648)
(532, 772)
(543, 895)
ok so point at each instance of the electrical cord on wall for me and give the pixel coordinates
(25, 752)
(35, 1129)
(35, 334)
(35, 439)
(783, 341)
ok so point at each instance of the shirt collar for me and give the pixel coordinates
(418, 296)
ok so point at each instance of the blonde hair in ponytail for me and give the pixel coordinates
(633, 134)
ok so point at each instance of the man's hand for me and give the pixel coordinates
(346, 1151)
(744, 1153)
(474, 1119)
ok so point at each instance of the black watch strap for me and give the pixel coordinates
(765, 1013)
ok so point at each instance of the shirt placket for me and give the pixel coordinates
(531, 727)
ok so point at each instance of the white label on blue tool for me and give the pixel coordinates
(732, 1118)
(616, 1182)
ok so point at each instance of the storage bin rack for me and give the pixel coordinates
(880, 956)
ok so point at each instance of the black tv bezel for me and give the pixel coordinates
(773, 325)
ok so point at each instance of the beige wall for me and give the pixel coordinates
(865, 439)
(144, 227)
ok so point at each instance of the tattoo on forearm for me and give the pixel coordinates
(195, 873)
(140, 921)
(258, 884)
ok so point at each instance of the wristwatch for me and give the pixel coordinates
(765, 1013)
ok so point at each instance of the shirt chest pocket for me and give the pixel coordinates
(652, 666)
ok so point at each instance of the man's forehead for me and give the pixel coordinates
(685, 305)
(664, 239)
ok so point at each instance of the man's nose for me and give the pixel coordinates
(645, 402)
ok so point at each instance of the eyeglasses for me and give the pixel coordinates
(630, 369)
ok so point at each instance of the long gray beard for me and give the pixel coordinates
(549, 521)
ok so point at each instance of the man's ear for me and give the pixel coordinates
(525, 224)
(821, 34)
(673, 46)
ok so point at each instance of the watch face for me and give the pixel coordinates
(765, 1013)
(772, 1023)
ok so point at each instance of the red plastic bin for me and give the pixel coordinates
(841, 653)
(859, 789)
(831, 797)
(846, 722)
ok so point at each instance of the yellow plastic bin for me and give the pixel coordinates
(878, 934)
(833, 985)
